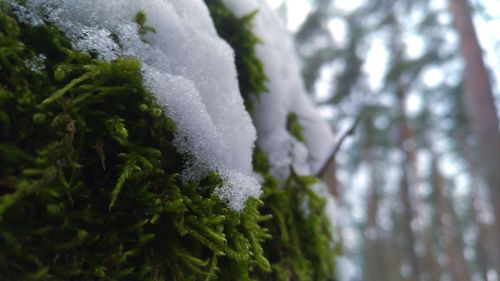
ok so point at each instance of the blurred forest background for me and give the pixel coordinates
(418, 182)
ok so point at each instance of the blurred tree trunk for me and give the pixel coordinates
(480, 100)
(374, 261)
(406, 199)
(487, 257)
(394, 250)
(405, 141)
(452, 245)
(431, 263)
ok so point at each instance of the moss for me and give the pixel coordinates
(140, 19)
(237, 31)
(294, 127)
(301, 247)
(89, 178)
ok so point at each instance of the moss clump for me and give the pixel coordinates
(89, 178)
(89, 185)
(140, 19)
(238, 33)
(301, 247)
(294, 127)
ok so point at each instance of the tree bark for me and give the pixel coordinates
(452, 243)
(407, 229)
(487, 257)
(480, 100)
(431, 263)
(374, 261)
(408, 167)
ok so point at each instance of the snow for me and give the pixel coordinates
(286, 94)
(188, 68)
(191, 72)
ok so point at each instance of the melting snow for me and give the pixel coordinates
(189, 69)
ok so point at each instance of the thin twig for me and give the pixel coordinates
(337, 146)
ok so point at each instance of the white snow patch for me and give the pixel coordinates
(188, 68)
(286, 94)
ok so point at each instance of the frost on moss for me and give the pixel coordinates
(89, 179)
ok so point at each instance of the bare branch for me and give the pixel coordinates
(337, 146)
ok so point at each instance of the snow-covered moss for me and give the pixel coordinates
(286, 95)
(237, 31)
(125, 148)
(90, 176)
(187, 67)
(294, 127)
(301, 247)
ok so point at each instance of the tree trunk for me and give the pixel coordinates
(407, 168)
(480, 100)
(394, 248)
(374, 262)
(407, 229)
(485, 254)
(452, 243)
(431, 263)
(488, 257)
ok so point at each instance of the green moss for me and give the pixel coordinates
(140, 19)
(238, 33)
(89, 178)
(301, 247)
(294, 127)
